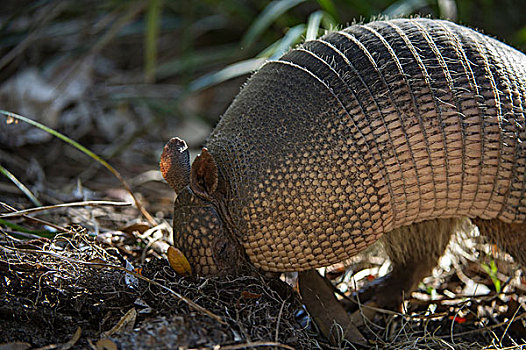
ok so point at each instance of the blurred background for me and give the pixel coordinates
(122, 77)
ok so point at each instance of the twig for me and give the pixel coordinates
(279, 319)
(33, 219)
(509, 323)
(65, 205)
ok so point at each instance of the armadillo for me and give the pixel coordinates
(397, 128)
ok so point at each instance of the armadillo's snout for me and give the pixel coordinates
(200, 235)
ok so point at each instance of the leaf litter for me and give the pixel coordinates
(112, 292)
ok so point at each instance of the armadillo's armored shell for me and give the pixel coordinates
(368, 129)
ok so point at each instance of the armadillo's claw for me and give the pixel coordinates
(178, 262)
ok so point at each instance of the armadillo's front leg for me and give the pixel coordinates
(414, 251)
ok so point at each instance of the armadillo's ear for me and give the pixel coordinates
(175, 164)
(204, 176)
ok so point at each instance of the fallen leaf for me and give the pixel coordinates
(126, 323)
(73, 340)
(15, 346)
(248, 295)
(105, 344)
(139, 227)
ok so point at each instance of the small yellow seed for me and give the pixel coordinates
(178, 262)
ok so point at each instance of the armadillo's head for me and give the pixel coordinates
(199, 225)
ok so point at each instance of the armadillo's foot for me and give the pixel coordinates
(388, 292)
(330, 316)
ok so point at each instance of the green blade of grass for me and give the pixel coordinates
(40, 233)
(86, 151)
(199, 59)
(329, 23)
(231, 71)
(404, 7)
(269, 50)
(520, 37)
(279, 47)
(237, 69)
(150, 39)
(132, 10)
(492, 272)
(268, 15)
(20, 186)
(293, 35)
(313, 25)
(329, 7)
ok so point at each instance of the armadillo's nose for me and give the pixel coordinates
(198, 232)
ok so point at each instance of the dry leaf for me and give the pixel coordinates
(126, 323)
(106, 344)
(73, 340)
(15, 346)
(139, 227)
(248, 295)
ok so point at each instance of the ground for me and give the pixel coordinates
(117, 290)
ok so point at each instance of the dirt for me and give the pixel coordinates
(53, 287)
(73, 291)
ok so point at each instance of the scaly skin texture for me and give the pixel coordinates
(364, 131)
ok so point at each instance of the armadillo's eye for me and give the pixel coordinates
(221, 247)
